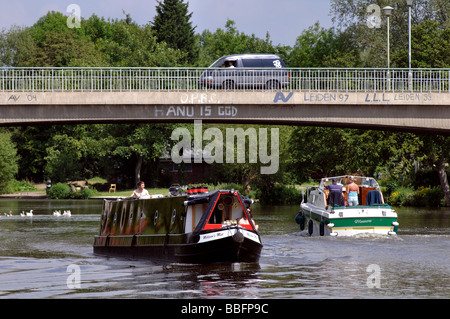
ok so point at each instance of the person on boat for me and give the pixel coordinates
(334, 187)
(245, 221)
(335, 196)
(140, 192)
(353, 192)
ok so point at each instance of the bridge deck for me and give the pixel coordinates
(325, 97)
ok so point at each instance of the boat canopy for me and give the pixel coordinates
(345, 180)
(213, 203)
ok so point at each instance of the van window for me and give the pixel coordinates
(273, 63)
(252, 63)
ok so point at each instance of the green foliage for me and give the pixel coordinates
(230, 41)
(59, 191)
(172, 25)
(424, 196)
(318, 47)
(279, 194)
(8, 160)
(85, 193)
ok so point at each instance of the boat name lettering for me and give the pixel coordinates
(251, 236)
(360, 221)
(213, 235)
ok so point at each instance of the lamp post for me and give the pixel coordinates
(409, 3)
(387, 11)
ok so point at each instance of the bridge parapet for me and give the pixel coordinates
(239, 79)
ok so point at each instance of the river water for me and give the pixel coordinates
(45, 256)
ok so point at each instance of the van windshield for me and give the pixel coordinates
(224, 63)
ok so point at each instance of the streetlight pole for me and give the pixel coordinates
(409, 3)
(388, 10)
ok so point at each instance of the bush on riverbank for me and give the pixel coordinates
(64, 191)
(423, 196)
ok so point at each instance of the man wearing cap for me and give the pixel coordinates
(334, 187)
(335, 196)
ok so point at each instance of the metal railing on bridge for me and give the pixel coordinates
(206, 79)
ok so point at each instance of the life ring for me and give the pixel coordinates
(310, 227)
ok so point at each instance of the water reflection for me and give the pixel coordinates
(36, 251)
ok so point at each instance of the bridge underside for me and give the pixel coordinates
(415, 112)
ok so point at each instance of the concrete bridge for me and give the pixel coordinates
(395, 99)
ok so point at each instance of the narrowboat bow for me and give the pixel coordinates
(196, 227)
(327, 212)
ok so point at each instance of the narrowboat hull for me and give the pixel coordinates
(217, 246)
(195, 229)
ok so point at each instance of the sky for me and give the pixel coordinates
(283, 19)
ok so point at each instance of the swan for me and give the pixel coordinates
(30, 213)
(67, 213)
(57, 213)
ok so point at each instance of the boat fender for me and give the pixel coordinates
(322, 229)
(300, 219)
(310, 227)
(238, 237)
(297, 218)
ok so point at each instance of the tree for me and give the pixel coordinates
(123, 43)
(318, 47)
(431, 44)
(77, 152)
(8, 159)
(140, 143)
(60, 46)
(229, 41)
(371, 42)
(173, 26)
(436, 153)
(17, 46)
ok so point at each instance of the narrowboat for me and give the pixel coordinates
(195, 227)
(328, 213)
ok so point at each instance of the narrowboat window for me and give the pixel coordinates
(114, 220)
(216, 215)
(155, 219)
(122, 219)
(142, 214)
(174, 215)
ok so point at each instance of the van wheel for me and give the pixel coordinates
(272, 85)
(228, 85)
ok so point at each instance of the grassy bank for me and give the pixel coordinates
(277, 194)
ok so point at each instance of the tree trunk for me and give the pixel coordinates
(444, 180)
(137, 169)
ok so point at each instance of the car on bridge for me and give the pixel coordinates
(246, 71)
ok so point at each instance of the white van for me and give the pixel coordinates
(249, 71)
